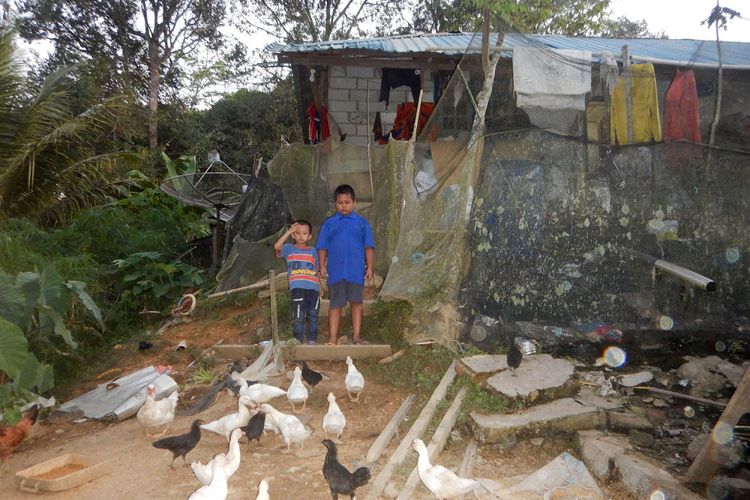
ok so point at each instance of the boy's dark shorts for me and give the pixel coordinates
(344, 291)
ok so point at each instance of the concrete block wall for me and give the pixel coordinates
(348, 100)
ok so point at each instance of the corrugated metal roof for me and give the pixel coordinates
(699, 53)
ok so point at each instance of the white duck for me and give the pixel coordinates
(226, 424)
(355, 381)
(154, 415)
(204, 473)
(259, 393)
(334, 421)
(263, 490)
(442, 482)
(292, 429)
(297, 392)
(217, 489)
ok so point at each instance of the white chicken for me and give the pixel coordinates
(442, 482)
(259, 393)
(263, 490)
(226, 424)
(292, 429)
(217, 489)
(355, 381)
(155, 415)
(297, 392)
(204, 473)
(334, 421)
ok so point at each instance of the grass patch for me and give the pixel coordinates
(419, 370)
(388, 321)
(202, 376)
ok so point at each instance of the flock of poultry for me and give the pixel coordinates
(255, 416)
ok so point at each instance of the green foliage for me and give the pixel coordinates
(146, 279)
(202, 376)
(419, 369)
(388, 322)
(248, 124)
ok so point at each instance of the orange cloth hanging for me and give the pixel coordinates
(681, 111)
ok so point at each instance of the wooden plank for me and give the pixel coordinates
(467, 464)
(436, 444)
(420, 424)
(278, 362)
(307, 352)
(705, 464)
(628, 89)
(385, 437)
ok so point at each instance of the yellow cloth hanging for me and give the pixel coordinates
(644, 106)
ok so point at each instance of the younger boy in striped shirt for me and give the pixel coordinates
(304, 284)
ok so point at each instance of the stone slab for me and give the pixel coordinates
(536, 373)
(560, 416)
(485, 363)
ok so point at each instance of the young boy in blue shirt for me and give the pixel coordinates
(345, 252)
(304, 284)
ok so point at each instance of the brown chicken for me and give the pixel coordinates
(12, 435)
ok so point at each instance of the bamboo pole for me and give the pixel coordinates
(467, 464)
(385, 437)
(436, 444)
(393, 357)
(278, 362)
(369, 142)
(420, 424)
(628, 88)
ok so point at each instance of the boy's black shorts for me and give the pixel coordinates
(344, 291)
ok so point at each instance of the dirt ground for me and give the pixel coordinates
(136, 470)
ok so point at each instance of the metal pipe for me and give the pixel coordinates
(691, 277)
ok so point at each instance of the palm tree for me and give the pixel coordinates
(49, 167)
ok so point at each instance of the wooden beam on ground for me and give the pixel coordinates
(307, 352)
(467, 464)
(436, 444)
(278, 361)
(393, 357)
(706, 464)
(385, 437)
(420, 424)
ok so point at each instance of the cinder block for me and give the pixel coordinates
(347, 128)
(341, 117)
(356, 140)
(338, 94)
(374, 106)
(360, 71)
(342, 83)
(357, 118)
(362, 130)
(358, 95)
(342, 105)
(337, 71)
(374, 85)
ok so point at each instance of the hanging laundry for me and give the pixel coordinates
(553, 79)
(377, 130)
(644, 106)
(397, 77)
(551, 87)
(608, 72)
(403, 125)
(681, 108)
(318, 129)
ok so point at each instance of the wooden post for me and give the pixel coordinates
(278, 362)
(436, 444)
(385, 437)
(628, 88)
(381, 480)
(705, 465)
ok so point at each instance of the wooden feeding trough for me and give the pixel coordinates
(59, 474)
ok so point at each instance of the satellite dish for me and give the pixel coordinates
(218, 187)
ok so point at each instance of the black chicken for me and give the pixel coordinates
(513, 357)
(254, 428)
(182, 444)
(340, 480)
(312, 377)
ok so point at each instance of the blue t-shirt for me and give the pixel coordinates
(345, 238)
(302, 266)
